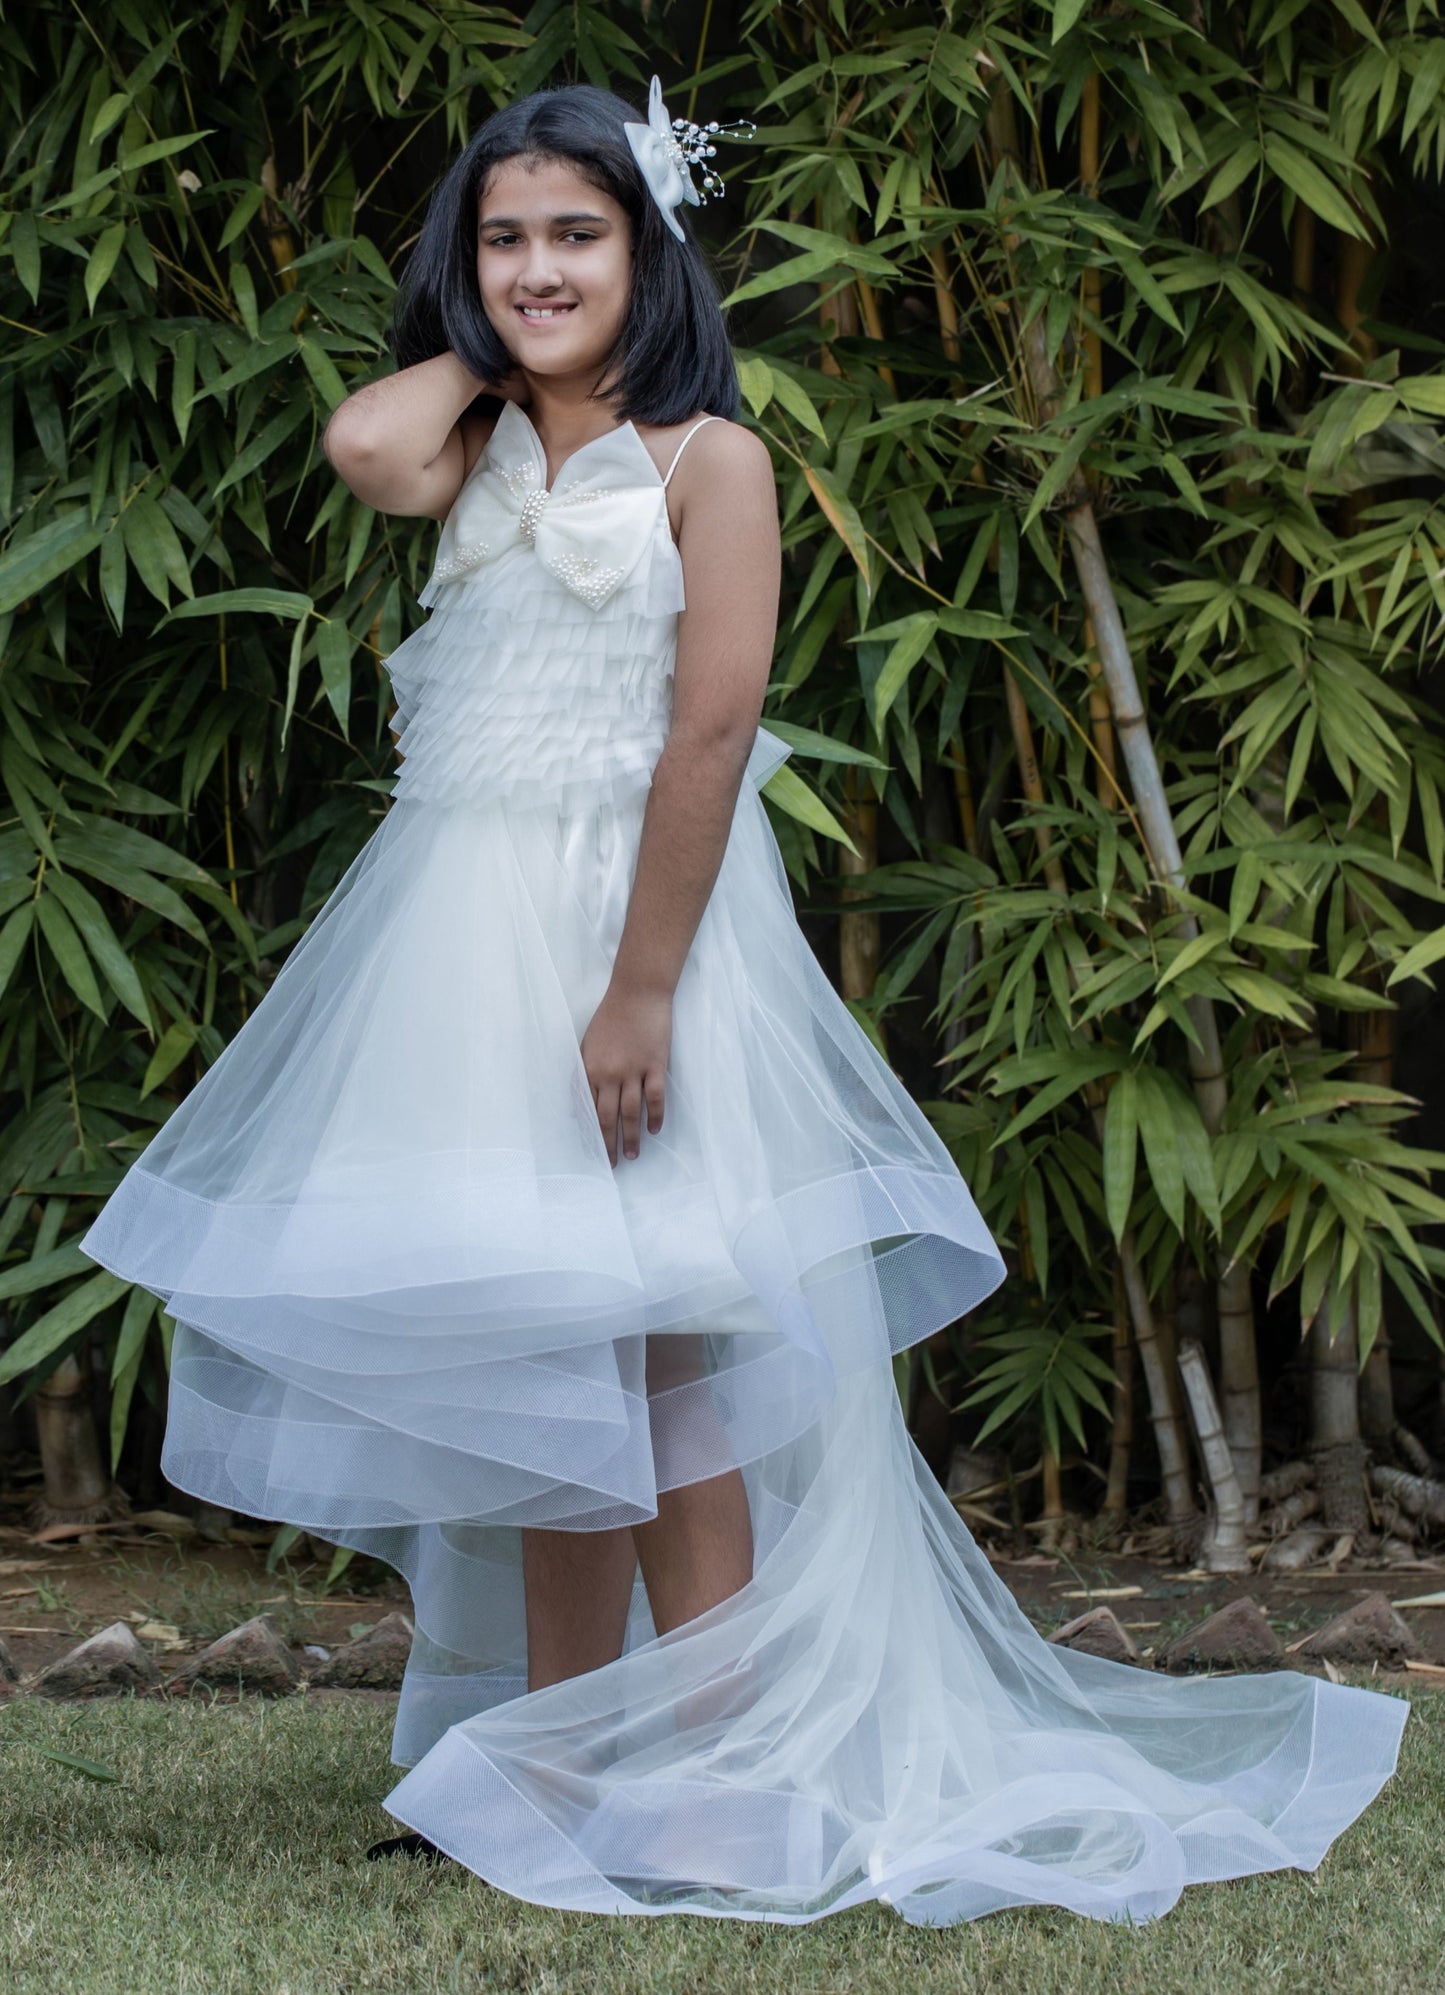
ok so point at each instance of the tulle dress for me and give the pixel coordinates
(415, 1305)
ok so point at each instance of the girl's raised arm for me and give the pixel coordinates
(404, 444)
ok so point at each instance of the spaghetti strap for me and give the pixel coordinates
(685, 442)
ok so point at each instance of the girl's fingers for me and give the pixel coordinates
(607, 1117)
(654, 1090)
(631, 1115)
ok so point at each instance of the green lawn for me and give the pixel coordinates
(229, 1857)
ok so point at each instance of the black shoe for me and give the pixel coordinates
(410, 1845)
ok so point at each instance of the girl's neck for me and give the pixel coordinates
(567, 415)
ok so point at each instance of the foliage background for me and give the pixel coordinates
(996, 273)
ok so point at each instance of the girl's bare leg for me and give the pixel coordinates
(578, 1586)
(697, 1551)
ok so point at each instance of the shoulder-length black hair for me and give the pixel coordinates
(672, 358)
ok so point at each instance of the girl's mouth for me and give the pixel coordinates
(541, 315)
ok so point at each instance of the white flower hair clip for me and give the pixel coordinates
(666, 149)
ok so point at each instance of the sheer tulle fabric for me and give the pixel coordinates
(417, 1309)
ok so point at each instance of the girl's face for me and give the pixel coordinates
(554, 265)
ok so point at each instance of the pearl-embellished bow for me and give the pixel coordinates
(589, 530)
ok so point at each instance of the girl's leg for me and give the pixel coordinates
(697, 1551)
(578, 1586)
(699, 1548)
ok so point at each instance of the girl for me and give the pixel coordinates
(549, 1229)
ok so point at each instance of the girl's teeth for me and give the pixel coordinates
(552, 311)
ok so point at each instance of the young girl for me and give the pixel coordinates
(549, 1229)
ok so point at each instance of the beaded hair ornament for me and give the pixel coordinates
(666, 149)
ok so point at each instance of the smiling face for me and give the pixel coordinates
(554, 266)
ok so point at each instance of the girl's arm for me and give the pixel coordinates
(401, 443)
(731, 556)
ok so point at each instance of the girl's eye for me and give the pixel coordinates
(508, 237)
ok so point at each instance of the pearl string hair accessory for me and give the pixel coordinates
(667, 149)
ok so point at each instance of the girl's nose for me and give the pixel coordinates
(540, 270)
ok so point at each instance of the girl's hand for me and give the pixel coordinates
(624, 1051)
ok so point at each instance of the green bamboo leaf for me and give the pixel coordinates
(48, 1332)
(821, 747)
(907, 648)
(1161, 1144)
(13, 938)
(755, 378)
(1416, 961)
(91, 1768)
(109, 115)
(322, 369)
(102, 261)
(175, 1043)
(259, 602)
(140, 1309)
(1304, 178)
(100, 939)
(52, 550)
(1121, 1125)
(791, 794)
(789, 395)
(24, 245)
(792, 270)
(241, 216)
(842, 515)
(334, 646)
(44, 1271)
(263, 447)
(147, 155)
(1423, 392)
(65, 945)
(1067, 14)
(155, 549)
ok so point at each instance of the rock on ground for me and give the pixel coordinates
(251, 1657)
(1371, 1631)
(373, 1662)
(107, 1665)
(1235, 1637)
(1099, 1633)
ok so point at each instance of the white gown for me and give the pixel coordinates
(414, 1300)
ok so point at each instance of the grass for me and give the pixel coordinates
(227, 1859)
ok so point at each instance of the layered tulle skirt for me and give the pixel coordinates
(417, 1309)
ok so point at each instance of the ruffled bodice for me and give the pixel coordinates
(545, 671)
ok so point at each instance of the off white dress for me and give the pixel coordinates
(415, 1306)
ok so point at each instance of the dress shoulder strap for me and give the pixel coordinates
(685, 442)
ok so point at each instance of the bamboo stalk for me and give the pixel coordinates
(1153, 1346)
(1121, 1427)
(859, 935)
(1225, 1547)
(1164, 1413)
(1052, 1514)
(1238, 1357)
(873, 326)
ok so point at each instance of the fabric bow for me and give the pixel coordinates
(590, 530)
(657, 152)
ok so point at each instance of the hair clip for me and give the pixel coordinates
(667, 149)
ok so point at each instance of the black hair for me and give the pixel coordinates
(672, 359)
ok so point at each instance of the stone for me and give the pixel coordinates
(107, 1665)
(251, 1657)
(373, 1662)
(1099, 1633)
(1237, 1636)
(8, 1670)
(1371, 1631)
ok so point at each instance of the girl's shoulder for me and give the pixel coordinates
(704, 445)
